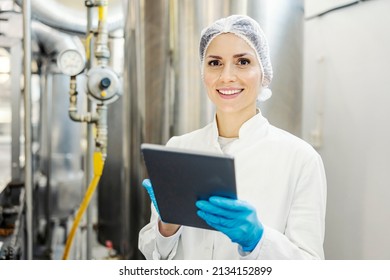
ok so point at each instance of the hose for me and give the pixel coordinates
(98, 164)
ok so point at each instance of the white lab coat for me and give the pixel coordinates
(279, 174)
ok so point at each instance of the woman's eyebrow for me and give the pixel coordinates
(234, 56)
(241, 55)
(214, 56)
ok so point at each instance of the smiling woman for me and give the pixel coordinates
(281, 184)
(232, 75)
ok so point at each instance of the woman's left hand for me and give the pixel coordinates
(235, 218)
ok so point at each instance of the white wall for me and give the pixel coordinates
(346, 115)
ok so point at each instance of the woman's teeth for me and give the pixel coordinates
(230, 92)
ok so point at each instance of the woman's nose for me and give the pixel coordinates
(228, 73)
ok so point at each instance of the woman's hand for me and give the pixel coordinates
(149, 188)
(164, 228)
(235, 218)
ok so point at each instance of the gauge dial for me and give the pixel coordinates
(71, 62)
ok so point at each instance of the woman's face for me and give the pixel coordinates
(232, 74)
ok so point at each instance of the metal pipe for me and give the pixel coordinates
(102, 53)
(52, 41)
(90, 142)
(47, 124)
(73, 112)
(70, 19)
(27, 125)
(16, 70)
(102, 130)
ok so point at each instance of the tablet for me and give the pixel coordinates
(180, 177)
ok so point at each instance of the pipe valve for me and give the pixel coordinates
(103, 84)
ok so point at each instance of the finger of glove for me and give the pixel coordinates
(245, 229)
(247, 242)
(233, 233)
(149, 188)
(210, 208)
(230, 203)
(241, 224)
(218, 220)
(147, 184)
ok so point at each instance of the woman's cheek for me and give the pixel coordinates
(209, 79)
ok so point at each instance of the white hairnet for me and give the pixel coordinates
(249, 30)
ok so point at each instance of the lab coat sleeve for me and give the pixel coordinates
(304, 234)
(153, 245)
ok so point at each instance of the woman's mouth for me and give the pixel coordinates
(229, 93)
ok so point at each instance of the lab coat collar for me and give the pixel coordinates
(254, 128)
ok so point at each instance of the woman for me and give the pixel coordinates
(281, 184)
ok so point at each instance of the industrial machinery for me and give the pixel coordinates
(46, 186)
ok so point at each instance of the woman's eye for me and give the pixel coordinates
(244, 61)
(214, 63)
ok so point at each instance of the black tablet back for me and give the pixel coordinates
(181, 177)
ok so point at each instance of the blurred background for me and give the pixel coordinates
(76, 76)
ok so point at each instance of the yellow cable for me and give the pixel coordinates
(98, 163)
(102, 13)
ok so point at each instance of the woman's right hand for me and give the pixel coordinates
(167, 230)
(164, 228)
(149, 188)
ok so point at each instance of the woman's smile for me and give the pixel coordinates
(229, 93)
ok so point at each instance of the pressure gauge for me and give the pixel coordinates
(71, 62)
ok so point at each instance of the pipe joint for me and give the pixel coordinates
(88, 117)
(89, 3)
(102, 129)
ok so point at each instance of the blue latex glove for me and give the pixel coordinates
(149, 188)
(235, 218)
